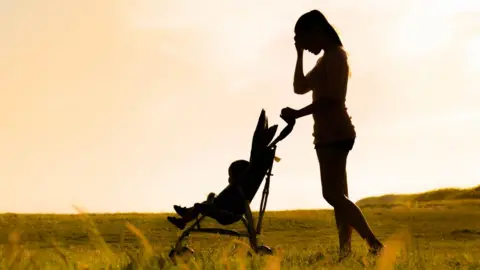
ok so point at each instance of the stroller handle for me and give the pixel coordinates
(285, 132)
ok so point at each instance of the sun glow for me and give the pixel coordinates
(472, 56)
(415, 36)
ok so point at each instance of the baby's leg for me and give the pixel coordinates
(190, 214)
(197, 209)
(182, 211)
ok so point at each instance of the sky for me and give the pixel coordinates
(133, 106)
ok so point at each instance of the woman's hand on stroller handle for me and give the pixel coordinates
(286, 130)
(288, 119)
(289, 115)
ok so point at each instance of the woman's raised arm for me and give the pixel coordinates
(300, 82)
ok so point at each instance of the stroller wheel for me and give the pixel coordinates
(264, 250)
(184, 254)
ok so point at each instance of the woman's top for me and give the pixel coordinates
(329, 80)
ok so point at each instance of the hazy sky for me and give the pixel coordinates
(115, 105)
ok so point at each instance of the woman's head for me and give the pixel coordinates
(314, 33)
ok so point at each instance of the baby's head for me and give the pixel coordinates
(236, 168)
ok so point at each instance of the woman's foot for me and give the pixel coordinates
(376, 250)
(344, 254)
(180, 210)
(178, 222)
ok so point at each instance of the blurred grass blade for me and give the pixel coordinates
(392, 248)
(93, 233)
(147, 254)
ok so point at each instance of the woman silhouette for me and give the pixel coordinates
(334, 133)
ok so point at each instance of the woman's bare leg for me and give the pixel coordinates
(332, 167)
(343, 227)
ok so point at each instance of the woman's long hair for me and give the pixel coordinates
(315, 20)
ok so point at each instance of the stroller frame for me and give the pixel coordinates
(247, 220)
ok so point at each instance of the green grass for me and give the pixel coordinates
(427, 235)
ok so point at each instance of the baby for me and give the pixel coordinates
(235, 171)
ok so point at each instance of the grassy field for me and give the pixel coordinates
(420, 234)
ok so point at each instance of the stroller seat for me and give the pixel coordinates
(232, 204)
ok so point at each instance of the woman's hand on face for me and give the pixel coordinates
(298, 47)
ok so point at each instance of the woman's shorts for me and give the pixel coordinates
(344, 145)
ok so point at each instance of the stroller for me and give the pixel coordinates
(235, 199)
